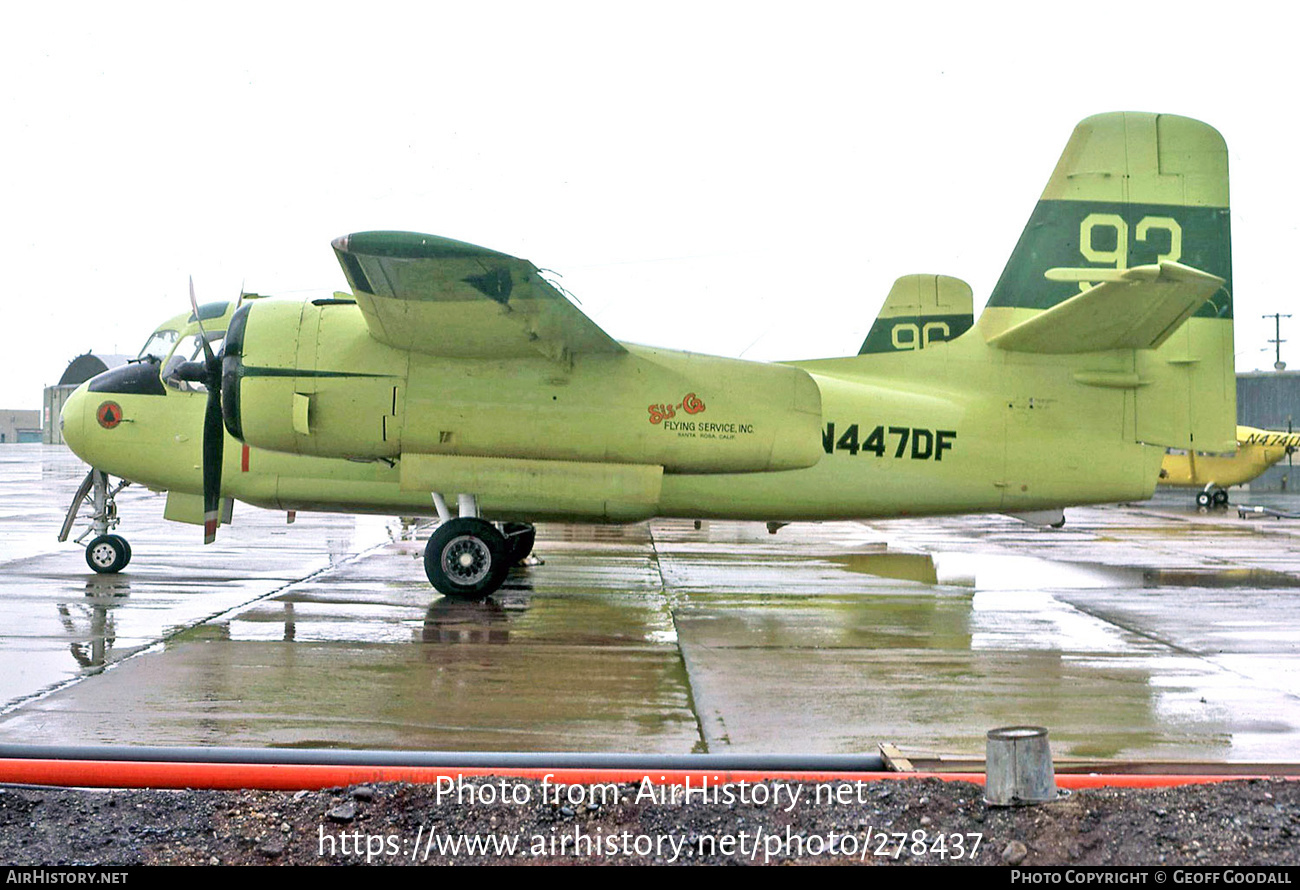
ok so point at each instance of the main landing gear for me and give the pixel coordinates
(1212, 496)
(106, 553)
(469, 557)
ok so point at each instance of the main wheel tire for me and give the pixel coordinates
(466, 558)
(519, 541)
(1220, 498)
(1203, 499)
(107, 554)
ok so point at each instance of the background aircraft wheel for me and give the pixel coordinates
(108, 554)
(1203, 499)
(1220, 498)
(519, 541)
(466, 558)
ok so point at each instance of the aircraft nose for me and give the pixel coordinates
(72, 421)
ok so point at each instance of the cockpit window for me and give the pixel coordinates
(189, 349)
(158, 345)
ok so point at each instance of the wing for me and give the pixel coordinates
(453, 299)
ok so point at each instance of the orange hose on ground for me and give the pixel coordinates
(294, 777)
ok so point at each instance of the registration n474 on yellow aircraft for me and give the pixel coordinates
(1214, 474)
(455, 379)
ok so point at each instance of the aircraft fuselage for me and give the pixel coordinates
(957, 427)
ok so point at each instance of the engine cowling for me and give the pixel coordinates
(309, 379)
(306, 378)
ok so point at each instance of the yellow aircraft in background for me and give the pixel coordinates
(455, 380)
(1257, 450)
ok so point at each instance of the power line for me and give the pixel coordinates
(1277, 341)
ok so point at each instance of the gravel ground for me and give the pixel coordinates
(1250, 822)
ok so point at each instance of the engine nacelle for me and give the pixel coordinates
(687, 413)
(308, 379)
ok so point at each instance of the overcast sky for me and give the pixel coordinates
(723, 177)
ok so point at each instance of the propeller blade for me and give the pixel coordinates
(203, 335)
(214, 430)
(214, 443)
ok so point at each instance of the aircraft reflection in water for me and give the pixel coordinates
(456, 380)
(452, 620)
(91, 622)
(447, 620)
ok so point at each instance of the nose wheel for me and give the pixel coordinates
(108, 554)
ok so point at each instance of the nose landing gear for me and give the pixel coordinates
(106, 553)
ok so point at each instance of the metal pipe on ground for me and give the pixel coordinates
(289, 770)
(511, 760)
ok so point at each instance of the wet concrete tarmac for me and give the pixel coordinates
(1140, 632)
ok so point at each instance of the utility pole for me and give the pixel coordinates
(1277, 341)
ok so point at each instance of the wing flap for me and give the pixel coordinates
(449, 298)
(1137, 308)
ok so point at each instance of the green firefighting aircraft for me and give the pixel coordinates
(455, 379)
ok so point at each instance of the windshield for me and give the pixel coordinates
(158, 345)
(188, 350)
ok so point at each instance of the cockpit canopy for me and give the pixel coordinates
(159, 344)
(189, 349)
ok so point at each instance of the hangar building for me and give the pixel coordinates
(81, 369)
(1270, 400)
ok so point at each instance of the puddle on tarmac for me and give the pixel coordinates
(984, 571)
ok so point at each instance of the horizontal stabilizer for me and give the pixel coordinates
(1136, 308)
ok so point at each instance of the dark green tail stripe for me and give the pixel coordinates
(902, 333)
(1199, 237)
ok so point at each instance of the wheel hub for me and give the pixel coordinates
(467, 560)
(103, 555)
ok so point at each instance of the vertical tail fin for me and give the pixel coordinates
(1137, 190)
(920, 310)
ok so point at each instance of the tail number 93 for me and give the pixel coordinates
(1095, 247)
